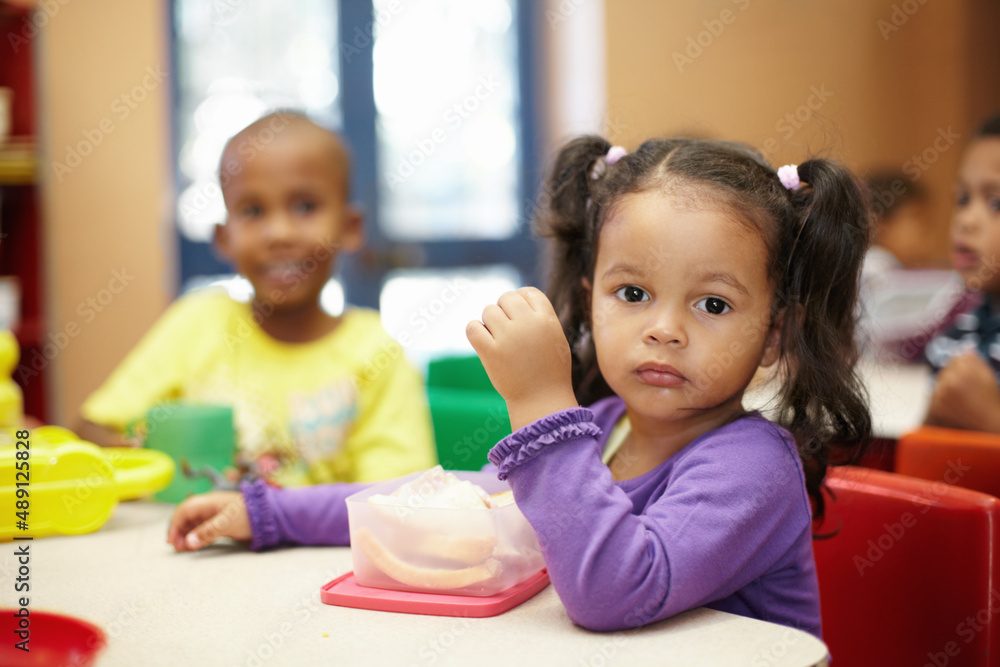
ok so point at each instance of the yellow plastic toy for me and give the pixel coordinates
(69, 486)
(11, 397)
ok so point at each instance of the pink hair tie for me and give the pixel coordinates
(789, 176)
(614, 154)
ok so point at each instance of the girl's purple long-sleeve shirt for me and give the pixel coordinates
(724, 523)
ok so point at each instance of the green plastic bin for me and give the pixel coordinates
(468, 414)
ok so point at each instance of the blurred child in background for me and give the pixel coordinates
(967, 356)
(906, 299)
(316, 397)
(901, 223)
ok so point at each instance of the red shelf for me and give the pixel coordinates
(20, 219)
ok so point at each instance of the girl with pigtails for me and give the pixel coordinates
(678, 270)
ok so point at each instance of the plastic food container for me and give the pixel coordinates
(477, 552)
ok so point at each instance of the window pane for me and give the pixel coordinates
(426, 310)
(237, 60)
(445, 80)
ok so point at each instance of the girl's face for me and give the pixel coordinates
(975, 225)
(681, 308)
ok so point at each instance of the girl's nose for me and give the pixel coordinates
(666, 328)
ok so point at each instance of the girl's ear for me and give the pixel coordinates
(772, 344)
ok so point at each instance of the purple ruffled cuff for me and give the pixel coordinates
(528, 441)
(263, 524)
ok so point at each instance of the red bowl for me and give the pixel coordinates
(53, 639)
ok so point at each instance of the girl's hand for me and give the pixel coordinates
(202, 519)
(966, 396)
(522, 346)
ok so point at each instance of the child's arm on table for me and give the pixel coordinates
(104, 436)
(265, 516)
(611, 568)
(712, 531)
(966, 396)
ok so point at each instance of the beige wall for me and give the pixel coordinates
(886, 92)
(109, 267)
(888, 95)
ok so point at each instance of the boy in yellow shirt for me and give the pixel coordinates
(316, 398)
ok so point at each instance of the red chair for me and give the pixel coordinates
(908, 578)
(964, 458)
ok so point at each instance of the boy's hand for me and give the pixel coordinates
(966, 396)
(522, 346)
(202, 519)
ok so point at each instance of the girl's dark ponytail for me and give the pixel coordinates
(569, 221)
(816, 237)
(823, 401)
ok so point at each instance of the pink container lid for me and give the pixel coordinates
(344, 591)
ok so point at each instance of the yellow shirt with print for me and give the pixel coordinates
(345, 408)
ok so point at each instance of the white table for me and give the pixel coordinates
(898, 396)
(228, 606)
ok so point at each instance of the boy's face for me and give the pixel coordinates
(975, 225)
(287, 216)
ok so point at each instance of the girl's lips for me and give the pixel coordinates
(660, 375)
(964, 258)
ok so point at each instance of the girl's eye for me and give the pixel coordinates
(994, 204)
(252, 211)
(713, 305)
(304, 207)
(961, 199)
(631, 294)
